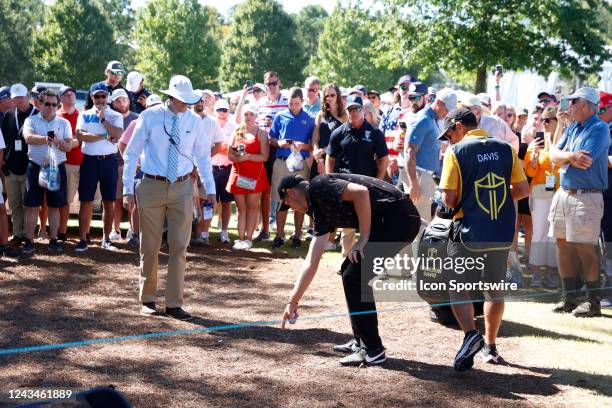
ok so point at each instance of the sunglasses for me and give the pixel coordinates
(575, 101)
(313, 90)
(100, 96)
(510, 115)
(354, 109)
(545, 101)
(51, 104)
(331, 95)
(604, 109)
(414, 98)
(274, 83)
(548, 120)
(404, 87)
(221, 110)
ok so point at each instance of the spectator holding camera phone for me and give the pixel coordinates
(248, 151)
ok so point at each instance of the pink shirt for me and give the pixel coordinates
(128, 132)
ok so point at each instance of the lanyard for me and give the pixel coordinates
(20, 128)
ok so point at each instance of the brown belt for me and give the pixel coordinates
(164, 179)
(581, 191)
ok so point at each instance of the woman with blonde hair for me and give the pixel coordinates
(371, 113)
(248, 151)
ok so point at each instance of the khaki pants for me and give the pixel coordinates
(158, 200)
(15, 189)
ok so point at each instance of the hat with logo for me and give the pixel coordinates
(5, 92)
(65, 89)
(180, 88)
(587, 93)
(98, 87)
(605, 99)
(417, 89)
(18, 90)
(152, 100)
(354, 100)
(134, 79)
(448, 96)
(460, 115)
(118, 93)
(406, 79)
(287, 183)
(116, 68)
(221, 104)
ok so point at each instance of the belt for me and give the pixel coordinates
(102, 156)
(281, 158)
(227, 166)
(164, 179)
(581, 191)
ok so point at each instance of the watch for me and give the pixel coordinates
(103, 120)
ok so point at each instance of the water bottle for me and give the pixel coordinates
(207, 210)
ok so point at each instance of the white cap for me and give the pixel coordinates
(484, 98)
(221, 104)
(250, 108)
(134, 79)
(118, 93)
(207, 92)
(152, 99)
(471, 100)
(448, 96)
(18, 90)
(180, 88)
(115, 67)
(587, 93)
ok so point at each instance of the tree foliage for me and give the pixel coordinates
(177, 37)
(73, 45)
(120, 15)
(18, 19)
(475, 35)
(262, 38)
(310, 22)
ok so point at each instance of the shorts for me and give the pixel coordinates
(280, 170)
(72, 182)
(221, 174)
(34, 193)
(96, 170)
(576, 217)
(119, 181)
(488, 266)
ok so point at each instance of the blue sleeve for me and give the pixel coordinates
(416, 134)
(380, 145)
(275, 129)
(563, 141)
(598, 141)
(311, 126)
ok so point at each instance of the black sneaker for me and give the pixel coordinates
(28, 247)
(278, 242)
(565, 306)
(262, 236)
(350, 347)
(10, 252)
(17, 241)
(296, 242)
(148, 309)
(62, 237)
(178, 313)
(55, 246)
(472, 343)
(490, 355)
(590, 308)
(364, 357)
(81, 246)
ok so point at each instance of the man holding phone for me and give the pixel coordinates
(48, 137)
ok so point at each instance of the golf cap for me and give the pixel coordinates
(551, 96)
(405, 79)
(65, 89)
(18, 90)
(522, 112)
(461, 115)
(605, 99)
(116, 68)
(98, 87)
(432, 91)
(361, 88)
(152, 100)
(250, 108)
(259, 86)
(373, 92)
(5, 92)
(221, 104)
(448, 96)
(417, 89)
(118, 93)
(287, 183)
(587, 93)
(484, 99)
(134, 79)
(36, 89)
(354, 100)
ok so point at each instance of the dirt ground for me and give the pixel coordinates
(55, 299)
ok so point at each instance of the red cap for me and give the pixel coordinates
(605, 99)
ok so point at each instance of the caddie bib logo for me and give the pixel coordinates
(490, 193)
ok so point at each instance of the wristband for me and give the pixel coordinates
(292, 303)
(102, 120)
(496, 87)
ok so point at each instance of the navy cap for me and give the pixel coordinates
(460, 115)
(65, 89)
(98, 87)
(36, 89)
(5, 92)
(417, 89)
(550, 95)
(354, 100)
(288, 182)
(361, 89)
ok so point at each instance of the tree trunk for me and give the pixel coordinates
(481, 80)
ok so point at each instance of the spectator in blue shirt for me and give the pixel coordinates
(577, 207)
(291, 131)
(312, 104)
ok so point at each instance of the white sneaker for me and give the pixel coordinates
(247, 244)
(330, 246)
(108, 245)
(238, 244)
(114, 235)
(225, 237)
(129, 235)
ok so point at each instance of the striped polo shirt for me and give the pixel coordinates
(37, 125)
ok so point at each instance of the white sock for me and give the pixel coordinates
(204, 234)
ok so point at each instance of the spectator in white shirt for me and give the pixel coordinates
(494, 126)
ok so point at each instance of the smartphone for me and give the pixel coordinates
(499, 70)
(249, 83)
(539, 136)
(290, 141)
(51, 134)
(564, 106)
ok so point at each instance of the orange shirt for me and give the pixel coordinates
(543, 166)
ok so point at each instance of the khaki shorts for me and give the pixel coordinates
(576, 217)
(72, 176)
(280, 170)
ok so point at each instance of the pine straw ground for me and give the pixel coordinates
(554, 360)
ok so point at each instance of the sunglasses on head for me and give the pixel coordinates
(221, 110)
(313, 90)
(99, 96)
(548, 120)
(404, 87)
(414, 98)
(51, 104)
(273, 83)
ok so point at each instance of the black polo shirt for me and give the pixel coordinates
(330, 211)
(15, 160)
(356, 150)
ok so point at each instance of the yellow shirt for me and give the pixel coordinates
(451, 174)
